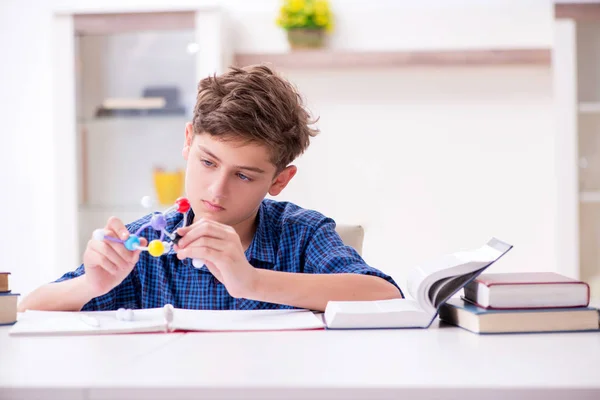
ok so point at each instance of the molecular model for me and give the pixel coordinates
(158, 222)
(127, 314)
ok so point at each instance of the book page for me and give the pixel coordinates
(247, 320)
(421, 272)
(397, 305)
(392, 313)
(440, 293)
(153, 320)
(33, 322)
(435, 281)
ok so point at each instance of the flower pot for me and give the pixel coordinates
(306, 38)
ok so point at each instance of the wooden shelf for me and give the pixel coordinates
(357, 59)
(133, 118)
(113, 23)
(579, 11)
(589, 108)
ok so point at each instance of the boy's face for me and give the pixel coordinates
(226, 181)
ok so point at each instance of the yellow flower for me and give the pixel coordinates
(301, 20)
(309, 8)
(321, 7)
(295, 5)
(303, 13)
(321, 20)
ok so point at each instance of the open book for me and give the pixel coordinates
(430, 285)
(165, 319)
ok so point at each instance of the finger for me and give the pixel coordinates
(136, 253)
(185, 229)
(106, 249)
(116, 225)
(130, 257)
(211, 222)
(99, 260)
(202, 229)
(214, 270)
(143, 243)
(203, 253)
(207, 241)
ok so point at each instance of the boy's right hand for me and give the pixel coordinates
(108, 263)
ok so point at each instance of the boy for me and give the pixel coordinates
(249, 124)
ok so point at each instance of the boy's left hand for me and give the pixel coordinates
(219, 246)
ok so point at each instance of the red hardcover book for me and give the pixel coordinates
(527, 290)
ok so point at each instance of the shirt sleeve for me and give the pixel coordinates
(123, 295)
(326, 253)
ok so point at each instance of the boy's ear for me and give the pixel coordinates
(282, 179)
(187, 143)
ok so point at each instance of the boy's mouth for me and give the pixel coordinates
(211, 206)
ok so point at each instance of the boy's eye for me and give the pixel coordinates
(244, 177)
(207, 163)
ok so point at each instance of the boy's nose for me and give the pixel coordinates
(218, 188)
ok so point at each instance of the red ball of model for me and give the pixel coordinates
(183, 204)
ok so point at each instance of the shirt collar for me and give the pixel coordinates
(261, 247)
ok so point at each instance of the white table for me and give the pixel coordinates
(440, 362)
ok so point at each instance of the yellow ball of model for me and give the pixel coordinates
(156, 248)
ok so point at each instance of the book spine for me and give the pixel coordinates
(587, 287)
(490, 284)
(530, 308)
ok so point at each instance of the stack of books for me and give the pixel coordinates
(522, 302)
(8, 301)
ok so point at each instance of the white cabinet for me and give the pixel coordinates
(577, 94)
(134, 80)
(587, 36)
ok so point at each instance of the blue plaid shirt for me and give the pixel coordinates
(288, 238)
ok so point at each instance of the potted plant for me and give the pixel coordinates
(306, 22)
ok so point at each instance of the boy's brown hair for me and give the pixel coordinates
(255, 105)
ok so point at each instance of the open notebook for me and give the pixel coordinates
(162, 320)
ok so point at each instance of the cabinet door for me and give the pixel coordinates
(588, 132)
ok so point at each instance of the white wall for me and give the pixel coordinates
(27, 151)
(432, 162)
(406, 24)
(429, 160)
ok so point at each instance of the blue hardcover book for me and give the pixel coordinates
(480, 320)
(8, 308)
